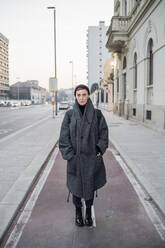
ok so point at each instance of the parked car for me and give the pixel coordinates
(2, 104)
(16, 104)
(63, 105)
(5, 103)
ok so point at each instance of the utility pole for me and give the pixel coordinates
(55, 69)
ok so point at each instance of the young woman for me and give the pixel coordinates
(83, 140)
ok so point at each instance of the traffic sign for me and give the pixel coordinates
(52, 84)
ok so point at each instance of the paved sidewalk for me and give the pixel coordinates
(144, 153)
(22, 155)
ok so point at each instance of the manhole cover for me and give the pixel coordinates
(115, 124)
(133, 124)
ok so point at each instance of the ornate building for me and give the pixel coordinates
(104, 96)
(136, 37)
(4, 67)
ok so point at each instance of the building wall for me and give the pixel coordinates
(145, 98)
(28, 90)
(97, 53)
(151, 27)
(4, 67)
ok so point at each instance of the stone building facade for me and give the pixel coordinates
(136, 37)
(103, 97)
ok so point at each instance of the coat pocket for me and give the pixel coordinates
(71, 166)
(99, 165)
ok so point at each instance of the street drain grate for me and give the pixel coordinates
(115, 124)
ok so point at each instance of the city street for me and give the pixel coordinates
(121, 219)
(13, 119)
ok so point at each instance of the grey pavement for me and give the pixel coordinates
(143, 150)
(22, 155)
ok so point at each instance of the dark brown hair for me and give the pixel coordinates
(81, 87)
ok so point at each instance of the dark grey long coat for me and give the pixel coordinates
(79, 137)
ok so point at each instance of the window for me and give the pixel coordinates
(148, 114)
(135, 71)
(106, 97)
(124, 86)
(124, 63)
(117, 85)
(102, 95)
(125, 7)
(150, 62)
(134, 111)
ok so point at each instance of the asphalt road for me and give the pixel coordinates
(120, 217)
(14, 119)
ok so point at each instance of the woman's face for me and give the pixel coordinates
(82, 96)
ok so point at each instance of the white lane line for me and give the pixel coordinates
(27, 211)
(151, 212)
(92, 211)
(93, 216)
(22, 130)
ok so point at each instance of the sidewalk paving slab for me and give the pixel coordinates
(143, 150)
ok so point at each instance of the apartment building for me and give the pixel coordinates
(97, 54)
(4, 67)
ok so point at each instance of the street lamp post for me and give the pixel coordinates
(55, 70)
(18, 88)
(71, 62)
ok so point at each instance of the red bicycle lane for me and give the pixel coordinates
(121, 220)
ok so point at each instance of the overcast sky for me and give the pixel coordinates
(28, 25)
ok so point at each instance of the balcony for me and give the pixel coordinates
(118, 33)
(122, 26)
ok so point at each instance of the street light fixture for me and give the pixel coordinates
(55, 70)
(71, 62)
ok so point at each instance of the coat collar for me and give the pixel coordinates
(88, 112)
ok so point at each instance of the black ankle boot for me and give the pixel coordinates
(79, 218)
(88, 217)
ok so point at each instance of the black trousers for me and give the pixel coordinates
(77, 202)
